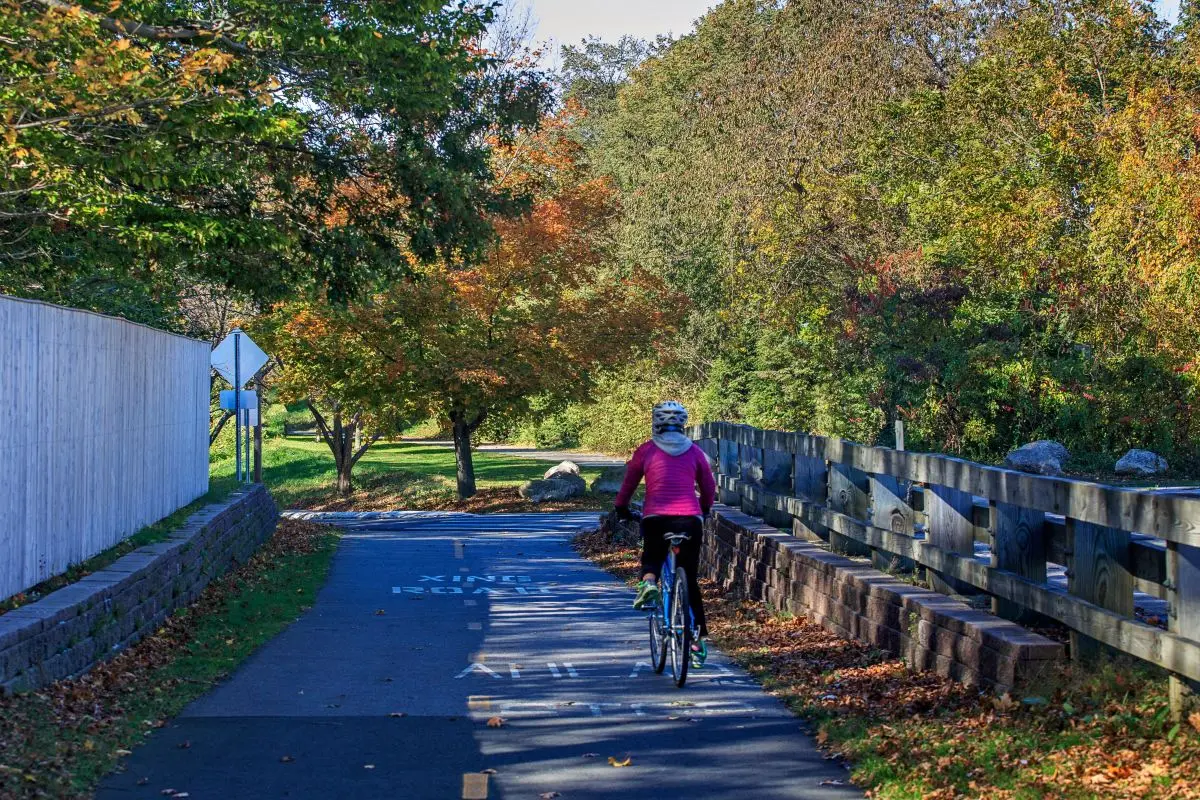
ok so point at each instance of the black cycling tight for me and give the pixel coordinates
(654, 553)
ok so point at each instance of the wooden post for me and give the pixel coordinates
(750, 461)
(810, 483)
(848, 495)
(258, 433)
(728, 467)
(777, 477)
(951, 527)
(1018, 545)
(899, 434)
(1099, 573)
(890, 510)
(1183, 570)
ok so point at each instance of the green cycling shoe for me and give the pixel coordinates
(647, 596)
(699, 653)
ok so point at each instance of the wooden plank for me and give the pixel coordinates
(1019, 547)
(777, 477)
(950, 527)
(750, 470)
(729, 467)
(1099, 573)
(1174, 517)
(848, 495)
(891, 510)
(1184, 620)
(810, 483)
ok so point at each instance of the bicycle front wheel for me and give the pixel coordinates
(681, 629)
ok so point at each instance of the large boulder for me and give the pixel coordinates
(1141, 464)
(609, 480)
(1043, 457)
(562, 469)
(567, 471)
(541, 491)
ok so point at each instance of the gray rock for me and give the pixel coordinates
(541, 491)
(608, 481)
(1043, 457)
(1141, 464)
(562, 469)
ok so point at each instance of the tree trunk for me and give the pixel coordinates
(462, 458)
(344, 484)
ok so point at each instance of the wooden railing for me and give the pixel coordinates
(927, 512)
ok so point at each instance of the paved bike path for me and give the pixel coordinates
(430, 626)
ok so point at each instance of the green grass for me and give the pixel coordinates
(59, 742)
(299, 470)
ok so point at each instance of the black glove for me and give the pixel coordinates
(623, 513)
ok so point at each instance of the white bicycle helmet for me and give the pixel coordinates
(669, 416)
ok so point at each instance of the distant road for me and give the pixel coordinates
(583, 459)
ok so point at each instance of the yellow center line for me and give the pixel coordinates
(475, 786)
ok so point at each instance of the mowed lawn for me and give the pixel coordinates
(300, 473)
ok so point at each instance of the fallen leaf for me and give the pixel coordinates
(368, 766)
(833, 782)
(591, 755)
(488, 771)
(286, 759)
(549, 795)
(124, 752)
(613, 760)
(398, 714)
(380, 613)
(1194, 719)
(495, 722)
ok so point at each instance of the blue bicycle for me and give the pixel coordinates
(672, 627)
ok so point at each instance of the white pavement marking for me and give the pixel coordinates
(474, 626)
(553, 669)
(638, 666)
(514, 671)
(570, 668)
(477, 667)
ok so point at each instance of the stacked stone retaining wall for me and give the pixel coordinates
(66, 632)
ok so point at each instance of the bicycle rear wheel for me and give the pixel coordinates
(681, 629)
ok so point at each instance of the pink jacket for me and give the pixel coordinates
(670, 481)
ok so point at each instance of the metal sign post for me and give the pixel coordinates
(237, 404)
(238, 359)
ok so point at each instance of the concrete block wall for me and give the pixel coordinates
(930, 631)
(65, 633)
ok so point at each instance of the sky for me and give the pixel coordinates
(568, 21)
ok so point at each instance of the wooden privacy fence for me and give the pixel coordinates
(985, 531)
(104, 429)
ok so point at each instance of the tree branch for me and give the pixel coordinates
(363, 449)
(212, 437)
(159, 33)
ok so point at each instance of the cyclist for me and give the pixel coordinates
(673, 466)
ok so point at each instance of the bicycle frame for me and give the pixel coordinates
(665, 591)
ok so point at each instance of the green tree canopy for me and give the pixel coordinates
(266, 147)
